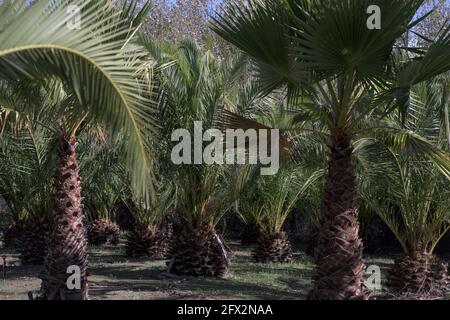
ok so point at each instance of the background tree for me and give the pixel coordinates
(432, 26)
(413, 198)
(269, 201)
(196, 87)
(178, 20)
(104, 183)
(27, 160)
(151, 234)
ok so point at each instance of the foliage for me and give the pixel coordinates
(25, 166)
(104, 178)
(271, 198)
(413, 198)
(154, 214)
(335, 77)
(195, 87)
(415, 207)
(179, 20)
(338, 76)
(27, 149)
(97, 65)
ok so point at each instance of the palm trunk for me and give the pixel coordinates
(103, 231)
(67, 245)
(338, 254)
(147, 241)
(273, 247)
(421, 275)
(199, 252)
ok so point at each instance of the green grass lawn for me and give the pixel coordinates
(116, 277)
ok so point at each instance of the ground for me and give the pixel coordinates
(116, 277)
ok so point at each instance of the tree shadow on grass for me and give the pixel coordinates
(295, 283)
(286, 269)
(217, 289)
(128, 272)
(152, 281)
(17, 272)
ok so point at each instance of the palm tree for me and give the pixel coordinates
(269, 202)
(151, 232)
(341, 72)
(415, 207)
(195, 87)
(265, 202)
(26, 150)
(413, 198)
(117, 102)
(104, 183)
(97, 68)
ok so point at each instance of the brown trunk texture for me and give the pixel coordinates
(103, 231)
(422, 276)
(67, 242)
(338, 254)
(199, 252)
(147, 241)
(273, 247)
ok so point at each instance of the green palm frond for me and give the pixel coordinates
(195, 86)
(104, 178)
(153, 215)
(261, 30)
(414, 205)
(333, 37)
(324, 51)
(26, 163)
(435, 61)
(409, 143)
(101, 72)
(288, 37)
(133, 13)
(404, 173)
(202, 195)
(272, 198)
(418, 133)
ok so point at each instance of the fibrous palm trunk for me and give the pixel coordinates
(67, 242)
(103, 231)
(149, 241)
(422, 275)
(338, 254)
(199, 252)
(273, 247)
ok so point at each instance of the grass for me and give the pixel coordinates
(116, 277)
